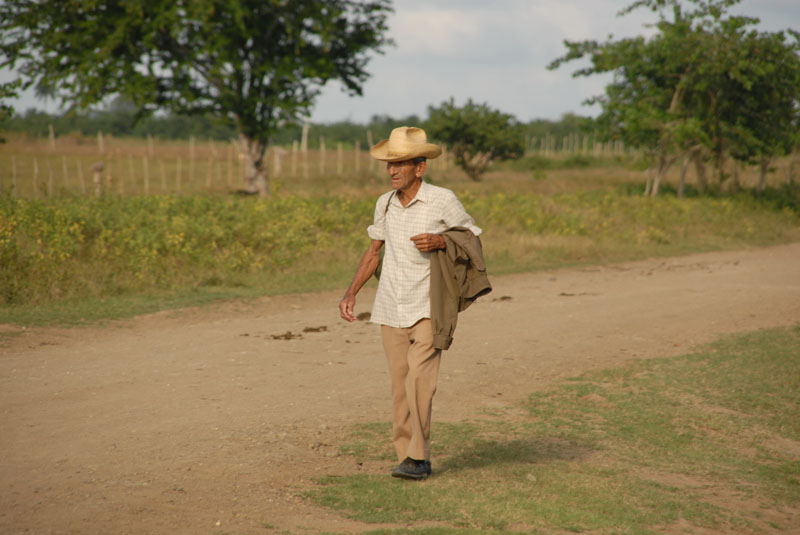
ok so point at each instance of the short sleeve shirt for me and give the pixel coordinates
(403, 296)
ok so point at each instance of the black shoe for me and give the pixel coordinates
(412, 469)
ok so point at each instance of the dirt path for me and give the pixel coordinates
(200, 421)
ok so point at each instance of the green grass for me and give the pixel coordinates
(710, 440)
(80, 259)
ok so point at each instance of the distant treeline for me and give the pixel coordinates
(121, 121)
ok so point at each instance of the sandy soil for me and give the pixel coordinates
(209, 421)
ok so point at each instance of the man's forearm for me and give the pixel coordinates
(366, 268)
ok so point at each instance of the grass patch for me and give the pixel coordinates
(709, 440)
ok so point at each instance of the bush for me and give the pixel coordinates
(56, 249)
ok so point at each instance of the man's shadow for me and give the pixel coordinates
(530, 450)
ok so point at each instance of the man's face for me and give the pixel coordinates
(404, 174)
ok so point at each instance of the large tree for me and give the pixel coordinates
(258, 64)
(704, 83)
(476, 134)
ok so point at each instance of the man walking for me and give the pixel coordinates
(410, 220)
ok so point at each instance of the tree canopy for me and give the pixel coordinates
(258, 64)
(475, 134)
(707, 83)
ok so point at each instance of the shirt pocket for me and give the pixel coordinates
(417, 257)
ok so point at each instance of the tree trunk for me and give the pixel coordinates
(256, 174)
(474, 164)
(649, 184)
(735, 186)
(762, 178)
(700, 171)
(660, 170)
(664, 164)
(682, 181)
(721, 175)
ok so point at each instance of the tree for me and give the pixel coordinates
(699, 85)
(7, 90)
(476, 134)
(764, 115)
(257, 64)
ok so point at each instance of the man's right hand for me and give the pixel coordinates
(346, 306)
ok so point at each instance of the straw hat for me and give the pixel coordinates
(405, 143)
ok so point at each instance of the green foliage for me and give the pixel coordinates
(55, 251)
(475, 134)
(636, 449)
(120, 123)
(571, 161)
(256, 64)
(7, 90)
(705, 82)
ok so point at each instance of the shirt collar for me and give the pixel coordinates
(423, 195)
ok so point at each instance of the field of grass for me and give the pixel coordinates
(703, 443)
(70, 257)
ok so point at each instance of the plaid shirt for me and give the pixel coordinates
(403, 296)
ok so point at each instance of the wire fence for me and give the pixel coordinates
(104, 165)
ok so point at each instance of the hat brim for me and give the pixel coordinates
(427, 150)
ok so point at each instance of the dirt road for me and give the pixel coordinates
(209, 420)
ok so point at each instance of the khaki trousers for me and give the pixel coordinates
(414, 369)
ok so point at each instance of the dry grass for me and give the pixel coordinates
(140, 166)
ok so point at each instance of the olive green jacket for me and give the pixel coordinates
(458, 278)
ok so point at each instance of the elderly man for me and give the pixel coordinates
(412, 220)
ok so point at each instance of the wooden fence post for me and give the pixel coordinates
(178, 176)
(97, 178)
(339, 159)
(358, 156)
(81, 178)
(50, 180)
(146, 167)
(369, 146)
(191, 159)
(14, 175)
(101, 148)
(304, 149)
(277, 154)
(35, 178)
(52, 137)
(65, 172)
(294, 158)
(131, 175)
(163, 175)
(110, 173)
(229, 180)
(322, 156)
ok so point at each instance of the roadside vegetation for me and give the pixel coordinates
(706, 441)
(79, 259)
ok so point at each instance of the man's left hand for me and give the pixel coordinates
(428, 242)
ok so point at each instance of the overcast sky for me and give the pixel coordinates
(494, 52)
